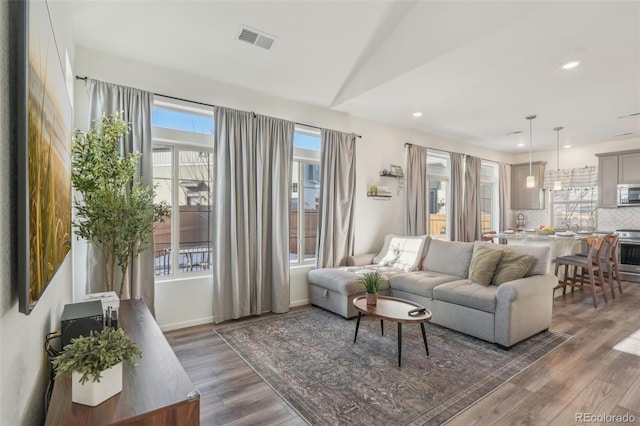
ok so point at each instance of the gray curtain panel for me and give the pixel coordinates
(456, 222)
(337, 193)
(135, 107)
(250, 230)
(416, 208)
(472, 219)
(504, 194)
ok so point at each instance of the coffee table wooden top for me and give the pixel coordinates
(392, 309)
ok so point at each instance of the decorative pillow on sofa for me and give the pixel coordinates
(484, 262)
(404, 252)
(448, 257)
(512, 266)
(541, 253)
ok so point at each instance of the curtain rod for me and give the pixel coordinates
(406, 144)
(205, 104)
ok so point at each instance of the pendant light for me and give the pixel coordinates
(557, 184)
(531, 181)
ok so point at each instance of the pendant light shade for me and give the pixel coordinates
(557, 185)
(531, 181)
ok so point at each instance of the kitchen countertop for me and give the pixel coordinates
(536, 236)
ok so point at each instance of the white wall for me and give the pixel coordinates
(579, 156)
(380, 146)
(23, 372)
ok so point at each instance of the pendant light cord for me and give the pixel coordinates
(557, 129)
(530, 144)
(530, 118)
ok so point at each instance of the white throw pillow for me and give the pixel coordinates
(404, 253)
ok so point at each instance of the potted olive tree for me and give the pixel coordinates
(94, 363)
(116, 212)
(371, 282)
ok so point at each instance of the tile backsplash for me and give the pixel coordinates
(620, 218)
(607, 219)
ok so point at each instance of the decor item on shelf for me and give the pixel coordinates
(557, 184)
(95, 364)
(373, 191)
(371, 282)
(116, 212)
(520, 221)
(531, 182)
(397, 171)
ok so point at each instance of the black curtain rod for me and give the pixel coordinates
(205, 104)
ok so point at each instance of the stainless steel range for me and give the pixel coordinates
(629, 254)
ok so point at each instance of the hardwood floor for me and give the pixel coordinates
(584, 375)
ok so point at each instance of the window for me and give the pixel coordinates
(183, 176)
(489, 210)
(305, 195)
(574, 208)
(438, 172)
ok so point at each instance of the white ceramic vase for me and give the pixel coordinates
(94, 393)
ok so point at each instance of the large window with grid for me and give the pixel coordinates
(183, 178)
(305, 196)
(438, 172)
(574, 208)
(489, 211)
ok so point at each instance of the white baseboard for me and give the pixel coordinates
(299, 303)
(185, 324)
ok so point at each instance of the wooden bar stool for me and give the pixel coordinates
(489, 236)
(609, 260)
(612, 265)
(584, 267)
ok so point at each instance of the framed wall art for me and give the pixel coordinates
(43, 155)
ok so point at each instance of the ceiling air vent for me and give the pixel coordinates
(257, 38)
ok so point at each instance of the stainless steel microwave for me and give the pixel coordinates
(629, 195)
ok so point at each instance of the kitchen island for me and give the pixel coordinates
(559, 245)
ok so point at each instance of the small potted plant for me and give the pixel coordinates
(371, 282)
(95, 364)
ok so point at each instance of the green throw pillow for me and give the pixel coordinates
(512, 266)
(483, 264)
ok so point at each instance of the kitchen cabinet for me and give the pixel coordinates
(523, 198)
(629, 168)
(615, 168)
(607, 181)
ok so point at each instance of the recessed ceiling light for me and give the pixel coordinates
(417, 114)
(520, 145)
(570, 64)
(567, 146)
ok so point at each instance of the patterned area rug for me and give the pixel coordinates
(310, 359)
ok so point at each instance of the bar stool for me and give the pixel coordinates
(584, 267)
(612, 266)
(488, 236)
(609, 259)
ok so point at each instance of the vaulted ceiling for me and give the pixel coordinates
(475, 69)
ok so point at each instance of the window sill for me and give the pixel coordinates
(183, 277)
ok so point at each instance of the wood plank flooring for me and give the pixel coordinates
(585, 375)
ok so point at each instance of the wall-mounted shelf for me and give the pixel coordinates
(389, 174)
(377, 196)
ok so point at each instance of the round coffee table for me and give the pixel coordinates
(392, 309)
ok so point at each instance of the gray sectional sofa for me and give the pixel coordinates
(504, 313)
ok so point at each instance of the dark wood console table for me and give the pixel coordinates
(156, 391)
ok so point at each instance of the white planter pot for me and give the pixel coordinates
(93, 393)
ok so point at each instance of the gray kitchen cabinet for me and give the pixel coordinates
(629, 167)
(523, 198)
(607, 181)
(614, 168)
